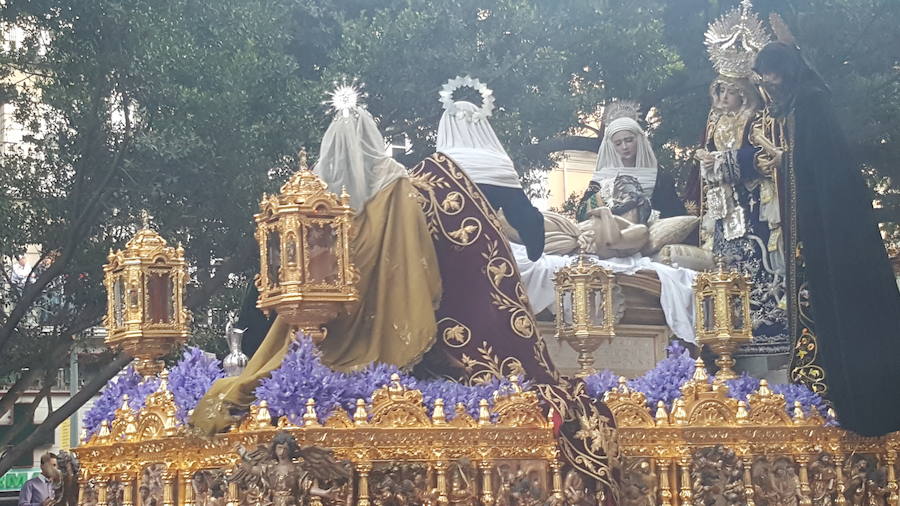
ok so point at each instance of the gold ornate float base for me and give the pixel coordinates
(708, 449)
(714, 450)
(390, 453)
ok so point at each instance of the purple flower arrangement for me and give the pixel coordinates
(742, 386)
(600, 383)
(454, 393)
(808, 400)
(191, 378)
(664, 382)
(188, 381)
(302, 376)
(127, 382)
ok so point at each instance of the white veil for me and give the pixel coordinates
(609, 165)
(474, 146)
(352, 157)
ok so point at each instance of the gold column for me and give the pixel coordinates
(665, 490)
(686, 495)
(840, 500)
(440, 470)
(487, 486)
(805, 490)
(890, 460)
(169, 479)
(187, 487)
(362, 487)
(102, 490)
(233, 497)
(556, 469)
(127, 489)
(82, 485)
(748, 481)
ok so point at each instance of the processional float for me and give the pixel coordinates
(704, 447)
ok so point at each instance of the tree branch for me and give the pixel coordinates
(563, 143)
(86, 319)
(202, 294)
(12, 395)
(76, 233)
(22, 423)
(64, 411)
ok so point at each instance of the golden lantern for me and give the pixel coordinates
(585, 316)
(722, 309)
(303, 232)
(145, 313)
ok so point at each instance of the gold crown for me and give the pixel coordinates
(620, 109)
(734, 39)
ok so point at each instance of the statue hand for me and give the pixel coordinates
(708, 168)
(779, 156)
(768, 163)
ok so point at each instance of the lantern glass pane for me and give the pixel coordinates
(597, 306)
(133, 297)
(290, 248)
(322, 244)
(119, 301)
(737, 312)
(273, 252)
(566, 309)
(161, 295)
(709, 313)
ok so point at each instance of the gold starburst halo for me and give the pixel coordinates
(467, 81)
(346, 98)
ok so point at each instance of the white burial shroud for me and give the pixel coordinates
(676, 294)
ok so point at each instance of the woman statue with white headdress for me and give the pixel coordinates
(394, 321)
(466, 136)
(626, 151)
(627, 191)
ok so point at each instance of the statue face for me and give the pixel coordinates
(772, 83)
(730, 98)
(625, 144)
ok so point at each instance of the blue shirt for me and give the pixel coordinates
(35, 491)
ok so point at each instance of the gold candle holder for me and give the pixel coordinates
(585, 318)
(722, 309)
(306, 274)
(145, 299)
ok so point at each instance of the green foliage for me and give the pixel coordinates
(569, 206)
(548, 63)
(169, 106)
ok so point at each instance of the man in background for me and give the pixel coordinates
(38, 491)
